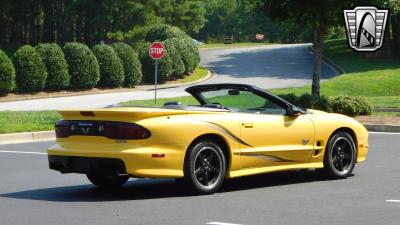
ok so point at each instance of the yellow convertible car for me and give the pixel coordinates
(234, 130)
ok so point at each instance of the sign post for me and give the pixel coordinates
(156, 52)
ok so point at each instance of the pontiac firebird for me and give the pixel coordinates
(235, 130)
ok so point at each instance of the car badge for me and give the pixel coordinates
(365, 27)
(305, 141)
(85, 130)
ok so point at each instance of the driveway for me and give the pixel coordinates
(273, 66)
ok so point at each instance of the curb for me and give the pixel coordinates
(25, 137)
(15, 138)
(382, 128)
(339, 70)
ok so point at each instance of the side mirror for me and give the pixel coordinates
(293, 111)
(234, 92)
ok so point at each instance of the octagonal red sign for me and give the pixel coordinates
(157, 50)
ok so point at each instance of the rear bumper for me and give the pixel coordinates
(137, 161)
(73, 164)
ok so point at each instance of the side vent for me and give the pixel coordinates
(319, 147)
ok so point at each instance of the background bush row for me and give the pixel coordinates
(351, 106)
(75, 66)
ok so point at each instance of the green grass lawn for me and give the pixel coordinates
(198, 74)
(377, 79)
(12, 121)
(233, 45)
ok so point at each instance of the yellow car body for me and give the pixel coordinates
(253, 143)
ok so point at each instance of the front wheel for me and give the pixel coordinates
(340, 155)
(107, 180)
(205, 168)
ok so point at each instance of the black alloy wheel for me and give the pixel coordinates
(205, 168)
(340, 155)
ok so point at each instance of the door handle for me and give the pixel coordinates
(247, 125)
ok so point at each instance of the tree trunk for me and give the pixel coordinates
(395, 21)
(318, 41)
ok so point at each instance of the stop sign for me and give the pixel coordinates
(157, 50)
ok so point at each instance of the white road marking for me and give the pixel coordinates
(21, 152)
(375, 132)
(392, 200)
(221, 223)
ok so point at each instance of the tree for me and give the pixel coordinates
(319, 14)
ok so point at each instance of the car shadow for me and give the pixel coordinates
(140, 189)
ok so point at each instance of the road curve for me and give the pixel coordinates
(271, 66)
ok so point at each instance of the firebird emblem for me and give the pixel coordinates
(85, 130)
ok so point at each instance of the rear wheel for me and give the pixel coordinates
(205, 168)
(340, 155)
(104, 180)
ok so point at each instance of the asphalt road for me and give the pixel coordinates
(272, 66)
(31, 194)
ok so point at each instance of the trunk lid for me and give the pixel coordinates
(126, 114)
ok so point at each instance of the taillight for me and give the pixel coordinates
(125, 131)
(62, 129)
(112, 130)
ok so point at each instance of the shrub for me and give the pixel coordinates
(82, 65)
(7, 73)
(163, 32)
(111, 69)
(30, 70)
(56, 65)
(177, 63)
(292, 98)
(195, 53)
(313, 102)
(351, 106)
(180, 51)
(188, 51)
(363, 106)
(165, 69)
(130, 62)
(343, 105)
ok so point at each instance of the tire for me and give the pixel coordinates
(205, 168)
(107, 180)
(340, 156)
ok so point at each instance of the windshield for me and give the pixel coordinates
(241, 101)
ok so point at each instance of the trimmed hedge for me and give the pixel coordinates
(82, 65)
(56, 65)
(188, 52)
(178, 66)
(7, 73)
(111, 69)
(181, 52)
(163, 32)
(194, 50)
(30, 70)
(130, 62)
(351, 106)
